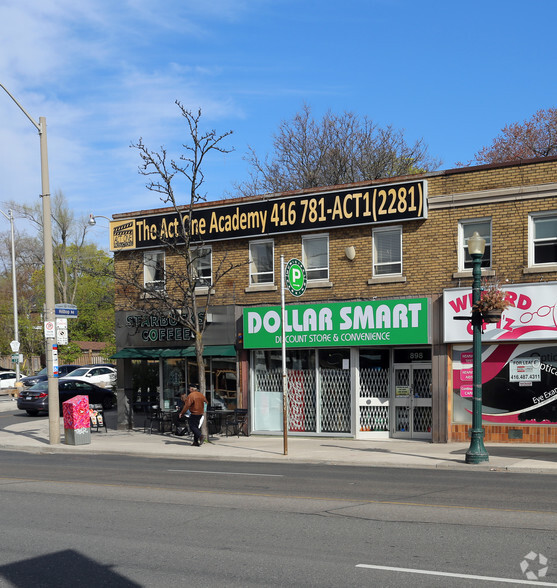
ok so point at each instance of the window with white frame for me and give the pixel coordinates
(153, 270)
(543, 239)
(387, 251)
(261, 262)
(466, 228)
(202, 261)
(315, 256)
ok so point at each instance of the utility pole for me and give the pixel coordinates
(51, 350)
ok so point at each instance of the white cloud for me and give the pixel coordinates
(103, 73)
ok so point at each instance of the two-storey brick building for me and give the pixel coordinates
(372, 348)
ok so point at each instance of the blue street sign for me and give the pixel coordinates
(67, 310)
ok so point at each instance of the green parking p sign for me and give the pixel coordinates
(296, 277)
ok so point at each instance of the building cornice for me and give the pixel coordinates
(515, 193)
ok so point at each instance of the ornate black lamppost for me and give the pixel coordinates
(477, 452)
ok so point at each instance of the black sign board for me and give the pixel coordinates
(319, 211)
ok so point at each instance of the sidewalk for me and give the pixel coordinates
(34, 437)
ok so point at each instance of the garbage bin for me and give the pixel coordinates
(77, 426)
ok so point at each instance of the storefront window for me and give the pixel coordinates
(519, 384)
(224, 386)
(319, 396)
(220, 380)
(145, 378)
(174, 381)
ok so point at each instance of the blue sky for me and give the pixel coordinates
(105, 73)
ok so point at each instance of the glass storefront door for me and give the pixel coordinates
(412, 402)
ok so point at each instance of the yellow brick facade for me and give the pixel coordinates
(506, 194)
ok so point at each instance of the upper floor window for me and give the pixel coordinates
(466, 228)
(261, 262)
(387, 251)
(202, 261)
(315, 256)
(543, 238)
(153, 270)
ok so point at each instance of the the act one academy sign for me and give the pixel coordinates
(270, 216)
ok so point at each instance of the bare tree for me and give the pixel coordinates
(184, 297)
(337, 149)
(534, 137)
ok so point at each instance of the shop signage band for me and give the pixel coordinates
(531, 316)
(270, 216)
(386, 322)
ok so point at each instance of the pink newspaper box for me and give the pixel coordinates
(76, 420)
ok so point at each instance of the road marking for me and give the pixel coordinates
(228, 473)
(451, 575)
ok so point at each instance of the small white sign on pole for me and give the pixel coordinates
(62, 336)
(49, 329)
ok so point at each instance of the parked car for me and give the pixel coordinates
(7, 379)
(102, 375)
(41, 376)
(35, 399)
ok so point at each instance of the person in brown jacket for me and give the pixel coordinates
(195, 403)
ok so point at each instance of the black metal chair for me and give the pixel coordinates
(153, 418)
(237, 422)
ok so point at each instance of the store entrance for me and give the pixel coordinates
(412, 401)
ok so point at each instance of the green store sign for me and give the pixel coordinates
(385, 322)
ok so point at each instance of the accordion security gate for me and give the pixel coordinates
(390, 402)
(318, 402)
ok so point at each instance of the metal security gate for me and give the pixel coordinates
(412, 401)
(319, 401)
(335, 404)
(373, 403)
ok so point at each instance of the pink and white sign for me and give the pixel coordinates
(532, 315)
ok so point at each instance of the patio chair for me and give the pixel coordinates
(237, 422)
(153, 418)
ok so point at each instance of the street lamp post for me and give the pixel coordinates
(10, 217)
(53, 396)
(93, 219)
(477, 452)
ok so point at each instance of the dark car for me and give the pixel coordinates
(63, 370)
(35, 399)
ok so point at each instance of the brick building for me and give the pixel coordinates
(372, 350)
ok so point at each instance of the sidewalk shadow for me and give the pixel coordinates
(391, 452)
(213, 440)
(35, 435)
(548, 454)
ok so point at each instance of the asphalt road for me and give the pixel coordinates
(112, 520)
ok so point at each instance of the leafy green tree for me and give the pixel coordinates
(83, 276)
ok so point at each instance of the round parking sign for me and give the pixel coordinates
(296, 277)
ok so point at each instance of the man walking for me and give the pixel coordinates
(195, 403)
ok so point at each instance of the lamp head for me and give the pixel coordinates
(476, 244)
(92, 222)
